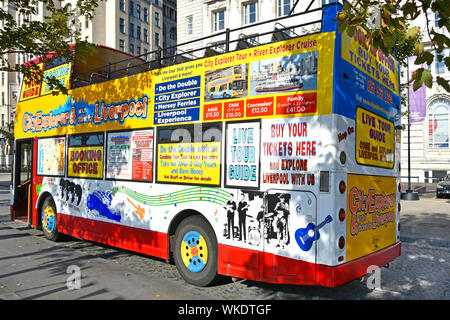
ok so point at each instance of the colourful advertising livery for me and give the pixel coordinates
(275, 163)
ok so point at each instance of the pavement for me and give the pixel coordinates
(32, 267)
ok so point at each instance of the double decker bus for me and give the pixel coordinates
(228, 83)
(296, 186)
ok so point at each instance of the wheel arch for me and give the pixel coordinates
(178, 219)
(40, 203)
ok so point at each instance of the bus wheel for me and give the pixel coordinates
(48, 220)
(195, 252)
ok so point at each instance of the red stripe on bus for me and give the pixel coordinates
(232, 261)
(267, 267)
(148, 242)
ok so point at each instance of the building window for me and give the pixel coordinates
(440, 65)
(86, 22)
(284, 7)
(173, 34)
(121, 25)
(138, 32)
(138, 50)
(145, 14)
(122, 5)
(138, 11)
(250, 12)
(438, 126)
(189, 24)
(145, 36)
(157, 39)
(219, 20)
(131, 48)
(157, 19)
(131, 30)
(131, 8)
(121, 45)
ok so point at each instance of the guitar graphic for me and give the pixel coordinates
(306, 236)
(139, 210)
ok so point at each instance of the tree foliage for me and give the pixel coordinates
(38, 39)
(395, 33)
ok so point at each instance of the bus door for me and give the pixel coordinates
(22, 177)
(289, 245)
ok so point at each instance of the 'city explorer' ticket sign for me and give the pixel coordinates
(375, 139)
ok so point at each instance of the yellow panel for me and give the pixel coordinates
(197, 163)
(371, 212)
(375, 139)
(85, 162)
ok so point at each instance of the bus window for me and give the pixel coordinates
(76, 141)
(94, 140)
(174, 134)
(212, 134)
(238, 85)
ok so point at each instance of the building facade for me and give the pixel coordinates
(429, 118)
(133, 26)
(210, 18)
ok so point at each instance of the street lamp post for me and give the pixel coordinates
(409, 194)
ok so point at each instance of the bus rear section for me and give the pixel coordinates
(367, 230)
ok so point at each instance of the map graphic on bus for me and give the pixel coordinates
(227, 83)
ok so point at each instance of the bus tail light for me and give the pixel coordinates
(399, 187)
(341, 214)
(342, 157)
(341, 242)
(342, 187)
(399, 207)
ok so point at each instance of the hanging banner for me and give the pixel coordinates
(417, 99)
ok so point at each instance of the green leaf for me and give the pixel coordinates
(443, 83)
(426, 56)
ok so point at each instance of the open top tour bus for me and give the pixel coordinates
(284, 183)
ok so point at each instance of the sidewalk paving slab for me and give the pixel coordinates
(33, 267)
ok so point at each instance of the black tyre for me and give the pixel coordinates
(196, 252)
(49, 220)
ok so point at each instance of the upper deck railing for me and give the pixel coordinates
(255, 34)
